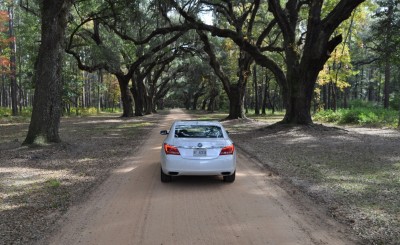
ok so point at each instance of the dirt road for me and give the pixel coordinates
(134, 207)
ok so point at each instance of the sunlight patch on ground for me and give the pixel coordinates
(303, 139)
(386, 133)
(99, 121)
(115, 134)
(350, 186)
(18, 182)
(85, 160)
(134, 125)
(244, 174)
(125, 170)
(10, 207)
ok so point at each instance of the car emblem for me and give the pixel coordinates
(199, 144)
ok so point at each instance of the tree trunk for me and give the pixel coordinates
(160, 104)
(236, 102)
(334, 97)
(211, 101)
(346, 97)
(47, 105)
(398, 123)
(386, 92)
(265, 95)
(325, 96)
(196, 97)
(204, 104)
(149, 105)
(138, 97)
(194, 103)
(13, 67)
(99, 84)
(126, 96)
(237, 92)
(256, 96)
(299, 96)
(3, 90)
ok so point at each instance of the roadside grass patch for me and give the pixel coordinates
(372, 117)
(6, 117)
(53, 183)
(135, 125)
(268, 117)
(90, 111)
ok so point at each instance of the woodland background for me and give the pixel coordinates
(110, 43)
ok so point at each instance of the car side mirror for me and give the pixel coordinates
(164, 132)
(227, 132)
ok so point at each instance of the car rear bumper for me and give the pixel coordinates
(176, 165)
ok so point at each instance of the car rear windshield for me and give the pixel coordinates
(198, 131)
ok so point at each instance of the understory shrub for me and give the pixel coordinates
(366, 116)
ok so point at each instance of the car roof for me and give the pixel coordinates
(197, 122)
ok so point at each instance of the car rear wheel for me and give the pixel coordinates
(165, 177)
(230, 178)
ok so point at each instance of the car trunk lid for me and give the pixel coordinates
(200, 148)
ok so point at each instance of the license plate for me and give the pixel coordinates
(199, 152)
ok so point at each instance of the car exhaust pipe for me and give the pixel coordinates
(226, 173)
(173, 173)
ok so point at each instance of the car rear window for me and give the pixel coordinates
(198, 131)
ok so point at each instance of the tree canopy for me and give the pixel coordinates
(311, 55)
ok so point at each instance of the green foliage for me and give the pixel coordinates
(362, 104)
(84, 111)
(327, 116)
(53, 183)
(5, 112)
(23, 117)
(91, 111)
(395, 102)
(364, 116)
(112, 110)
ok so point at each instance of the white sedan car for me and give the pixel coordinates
(197, 148)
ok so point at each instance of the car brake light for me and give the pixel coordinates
(227, 150)
(171, 150)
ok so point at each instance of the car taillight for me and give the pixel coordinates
(227, 150)
(171, 150)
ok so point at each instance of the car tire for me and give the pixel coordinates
(230, 178)
(165, 178)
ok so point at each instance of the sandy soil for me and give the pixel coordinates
(39, 184)
(133, 207)
(353, 172)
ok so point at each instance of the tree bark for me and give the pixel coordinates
(13, 60)
(256, 96)
(47, 105)
(265, 94)
(299, 95)
(137, 92)
(236, 102)
(204, 104)
(398, 123)
(196, 97)
(386, 92)
(126, 96)
(213, 95)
